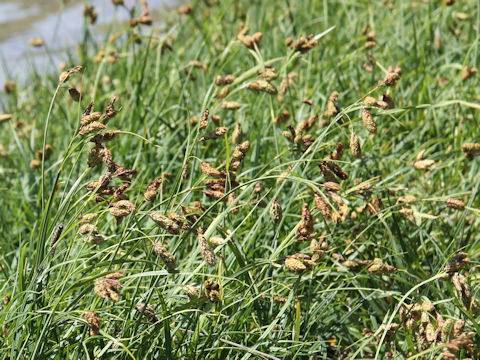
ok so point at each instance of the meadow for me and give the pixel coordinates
(247, 180)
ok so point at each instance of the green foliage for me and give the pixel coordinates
(387, 208)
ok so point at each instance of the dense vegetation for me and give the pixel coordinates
(325, 206)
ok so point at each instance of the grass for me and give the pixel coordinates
(332, 300)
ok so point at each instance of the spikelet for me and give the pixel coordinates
(204, 119)
(165, 222)
(392, 77)
(5, 117)
(64, 76)
(191, 291)
(468, 72)
(302, 44)
(212, 290)
(368, 121)
(91, 317)
(108, 287)
(152, 189)
(237, 134)
(322, 205)
(379, 267)
(355, 147)
(262, 86)
(91, 128)
(294, 265)
(215, 134)
(458, 262)
(276, 211)
(209, 170)
(423, 164)
(121, 208)
(110, 111)
(165, 255)
(205, 251)
(456, 204)
(147, 310)
(231, 105)
(471, 150)
(305, 229)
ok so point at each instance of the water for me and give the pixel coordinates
(58, 22)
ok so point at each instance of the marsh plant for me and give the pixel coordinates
(247, 179)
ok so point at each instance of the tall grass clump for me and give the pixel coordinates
(247, 179)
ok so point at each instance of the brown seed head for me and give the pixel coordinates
(205, 251)
(456, 204)
(355, 147)
(276, 211)
(165, 255)
(369, 121)
(91, 317)
(108, 287)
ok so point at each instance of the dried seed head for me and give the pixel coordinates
(294, 265)
(74, 94)
(379, 267)
(456, 204)
(471, 150)
(64, 76)
(212, 290)
(355, 147)
(229, 79)
(91, 317)
(9, 87)
(209, 170)
(468, 72)
(87, 229)
(108, 287)
(368, 121)
(237, 134)
(322, 205)
(389, 101)
(302, 44)
(215, 134)
(48, 152)
(216, 240)
(423, 164)
(122, 208)
(205, 251)
(5, 117)
(458, 262)
(191, 291)
(35, 164)
(165, 222)
(165, 255)
(214, 194)
(89, 118)
(94, 239)
(258, 188)
(223, 94)
(91, 128)
(369, 45)
(305, 229)
(262, 86)
(204, 120)
(276, 211)
(107, 136)
(337, 154)
(231, 105)
(152, 189)
(281, 118)
(147, 310)
(110, 111)
(185, 9)
(392, 77)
